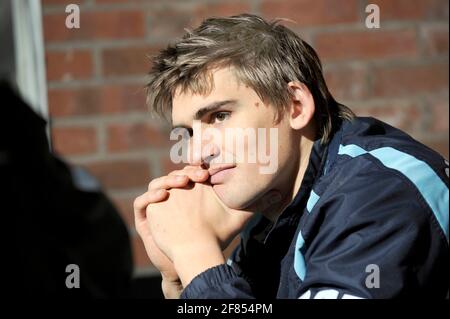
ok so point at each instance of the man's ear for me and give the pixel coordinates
(302, 107)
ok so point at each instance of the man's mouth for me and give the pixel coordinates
(219, 173)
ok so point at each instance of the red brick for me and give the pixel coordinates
(312, 12)
(406, 116)
(221, 9)
(127, 61)
(168, 166)
(170, 20)
(59, 2)
(121, 174)
(412, 9)
(439, 114)
(74, 140)
(108, 99)
(167, 22)
(436, 40)
(95, 26)
(140, 257)
(366, 44)
(113, 2)
(347, 83)
(69, 65)
(410, 80)
(116, 1)
(125, 137)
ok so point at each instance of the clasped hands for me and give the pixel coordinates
(185, 226)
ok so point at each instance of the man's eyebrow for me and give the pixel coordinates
(211, 107)
(207, 109)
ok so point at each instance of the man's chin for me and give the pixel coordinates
(229, 198)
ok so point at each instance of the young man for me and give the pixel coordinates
(355, 208)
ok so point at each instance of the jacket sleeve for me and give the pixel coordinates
(373, 236)
(220, 282)
(242, 277)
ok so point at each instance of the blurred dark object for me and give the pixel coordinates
(7, 58)
(59, 216)
(148, 287)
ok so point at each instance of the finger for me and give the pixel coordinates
(192, 167)
(195, 173)
(186, 168)
(149, 197)
(141, 203)
(167, 182)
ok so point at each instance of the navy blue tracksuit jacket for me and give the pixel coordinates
(370, 221)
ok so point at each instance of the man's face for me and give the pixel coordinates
(232, 108)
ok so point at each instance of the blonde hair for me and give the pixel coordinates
(266, 56)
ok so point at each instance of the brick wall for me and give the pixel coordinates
(95, 75)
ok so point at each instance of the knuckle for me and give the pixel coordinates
(176, 172)
(151, 184)
(151, 196)
(137, 203)
(154, 182)
(178, 178)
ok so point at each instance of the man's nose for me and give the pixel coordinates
(203, 151)
(209, 153)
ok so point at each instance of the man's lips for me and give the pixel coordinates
(214, 170)
(219, 173)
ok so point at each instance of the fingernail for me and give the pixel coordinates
(275, 199)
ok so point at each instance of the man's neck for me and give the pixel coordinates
(306, 146)
(292, 188)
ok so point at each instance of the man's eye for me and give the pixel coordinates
(220, 116)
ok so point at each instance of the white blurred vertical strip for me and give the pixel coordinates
(29, 54)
